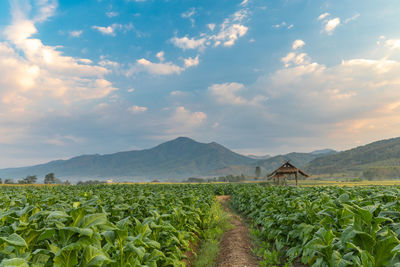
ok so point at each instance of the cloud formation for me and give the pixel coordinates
(228, 33)
(298, 44)
(331, 25)
(189, 43)
(137, 109)
(228, 93)
(38, 78)
(76, 33)
(184, 121)
(162, 67)
(111, 30)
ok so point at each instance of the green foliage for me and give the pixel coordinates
(218, 223)
(49, 178)
(325, 226)
(258, 171)
(103, 225)
(376, 160)
(30, 179)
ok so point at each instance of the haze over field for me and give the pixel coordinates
(259, 77)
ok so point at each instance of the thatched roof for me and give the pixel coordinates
(285, 169)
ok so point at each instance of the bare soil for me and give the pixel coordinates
(236, 246)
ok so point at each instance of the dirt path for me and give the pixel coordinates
(235, 247)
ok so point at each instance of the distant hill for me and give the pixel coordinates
(379, 159)
(269, 165)
(179, 158)
(324, 152)
(258, 157)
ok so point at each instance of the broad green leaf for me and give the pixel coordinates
(15, 262)
(94, 257)
(15, 240)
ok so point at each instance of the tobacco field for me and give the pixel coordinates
(101, 225)
(325, 226)
(154, 225)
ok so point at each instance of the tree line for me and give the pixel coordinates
(49, 178)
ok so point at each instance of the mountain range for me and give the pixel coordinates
(176, 159)
(376, 160)
(183, 157)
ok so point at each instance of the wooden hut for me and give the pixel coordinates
(286, 170)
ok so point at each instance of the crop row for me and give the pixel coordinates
(325, 226)
(102, 225)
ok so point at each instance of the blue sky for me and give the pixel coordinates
(260, 77)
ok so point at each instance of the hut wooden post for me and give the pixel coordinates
(286, 171)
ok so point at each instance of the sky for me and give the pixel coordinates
(258, 76)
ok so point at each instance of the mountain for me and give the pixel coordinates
(258, 157)
(324, 152)
(179, 158)
(268, 165)
(379, 159)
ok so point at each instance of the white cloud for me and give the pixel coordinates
(229, 32)
(160, 56)
(75, 33)
(46, 9)
(297, 59)
(176, 93)
(137, 109)
(184, 121)
(298, 44)
(37, 79)
(244, 2)
(211, 26)
(112, 14)
(189, 13)
(60, 140)
(105, 62)
(282, 24)
(188, 43)
(358, 98)
(111, 30)
(331, 25)
(392, 43)
(352, 18)
(161, 68)
(131, 90)
(324, 15)
(191, 62)
(227, 93)
(145, 65)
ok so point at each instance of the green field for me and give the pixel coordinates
(155, 224)
(102, 225)
(324, 226)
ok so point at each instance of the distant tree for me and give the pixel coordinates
(30, 179)
(222, 179)
(258, 172)
(8, 181)
(89, 182)
(67, 182)
(1, 181)
(194, 180)
(49, 178)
